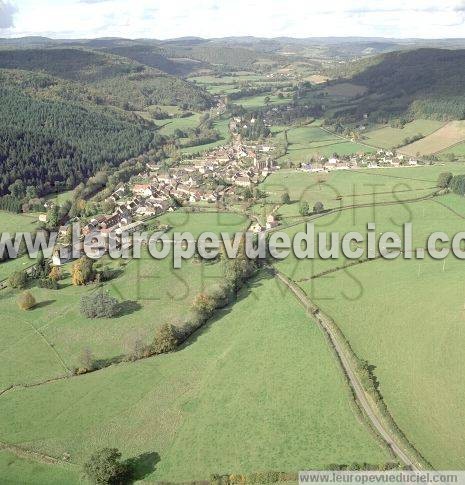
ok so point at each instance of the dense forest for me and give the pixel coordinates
(48, 143)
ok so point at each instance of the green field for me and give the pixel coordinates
(222, 126)
(44, 342)
(374, 306)
(423, 335)
(196, 223)
(295, 403)
(259, 101)
(388, 137)
(12, 223)
(347, 187)
(25, 471)
(168, 126)
(423, 216)
(308, 141)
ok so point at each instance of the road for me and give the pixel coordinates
(354, 380)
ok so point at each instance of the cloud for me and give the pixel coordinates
(165, 19)
(93, 1)
(7, 11)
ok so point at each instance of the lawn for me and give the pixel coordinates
(222, 126)
(169, 126)
(202, 409)
(259, 101)
(405, 311)
(388, 137)
(339, 188)
(196, 223)
(423, 215)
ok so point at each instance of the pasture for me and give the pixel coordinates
(12, 223)
(295, 403)
(259, 101)
(422, 215)
(423, 335)
(388, 137)
(308, 141)
(25, 471)
(222, 126)
(169, 126)
(347, 187)
(449, 135)
(45, 342)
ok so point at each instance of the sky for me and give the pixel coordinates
(164, 19)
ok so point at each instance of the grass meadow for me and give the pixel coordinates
(222, 126)
(346, 187)
(202, 409)
(44, 342)
(305, 142)
(409, 313)
(405, 311)
(449, 135)
(12, 223)
(20, 470)
(388, 137)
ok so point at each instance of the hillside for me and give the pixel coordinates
(420, 83)
(153, 56)
(116, 80)
(48, 144)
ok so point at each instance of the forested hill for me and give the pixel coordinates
(68, 112)
(51, 144)
(423, 82)
(117, 80)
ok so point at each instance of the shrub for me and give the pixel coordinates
(82, 271)
(203, 305)
(138, 350)
(86, 361)
(55, 274)
(18, 280)
(48, 283)
(444, 179)
(104, 467)
(285, 198)
(26, 301)
(304, 209)
(165, 339)
(99, 305)
(318, 207)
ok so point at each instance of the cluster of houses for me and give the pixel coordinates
(208, 178)
(222, 172)
(98, 232)
(380, 159)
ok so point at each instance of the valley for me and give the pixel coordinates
(223, 371)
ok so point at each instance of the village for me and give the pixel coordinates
(220, 176)
(224, 173)
(380, 159)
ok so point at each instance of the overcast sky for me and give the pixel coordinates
(219, 18)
